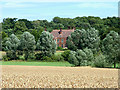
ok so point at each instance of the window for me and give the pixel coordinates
(57, 40)
(62, 45)
(62, 40)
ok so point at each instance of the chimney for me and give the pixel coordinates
(60, 30)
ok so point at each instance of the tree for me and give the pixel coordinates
(8, 23)
(36, 33)
(111, 46)
(65, 54)
(28, 24)
(4, 34)
(46, 44)
(81, 57)
(20, 26)
(27, 44)
(12, 45)
(81, 39)
(72, 58)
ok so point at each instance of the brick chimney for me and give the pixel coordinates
(60, 30)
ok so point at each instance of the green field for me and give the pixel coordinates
(35, 63)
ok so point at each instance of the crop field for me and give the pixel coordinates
(14, 76)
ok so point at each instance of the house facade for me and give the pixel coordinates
(60, 36)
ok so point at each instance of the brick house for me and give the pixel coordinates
(60, 36)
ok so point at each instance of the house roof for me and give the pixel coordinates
(65, 33)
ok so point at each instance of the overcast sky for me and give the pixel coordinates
(47, 9)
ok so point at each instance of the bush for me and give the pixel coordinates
(31, 56)
(81, 57)
(12, 55)
(57, 58)
(38, 56)
(21, 58)
(100, 61)
(47, 59)
(72, 58)
(59, 48)
(65, 55)
(5, 58)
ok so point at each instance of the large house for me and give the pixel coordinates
(60, 36)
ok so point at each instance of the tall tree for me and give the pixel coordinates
(46, 44)
(20, 26)
(81, 39)
(12, 45)
(111, 46)
(27, 44)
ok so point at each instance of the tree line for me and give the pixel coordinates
(95, 42)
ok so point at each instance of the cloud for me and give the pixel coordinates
(95, 5)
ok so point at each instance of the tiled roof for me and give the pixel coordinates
(65, 33)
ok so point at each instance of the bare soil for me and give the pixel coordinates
(58, 77)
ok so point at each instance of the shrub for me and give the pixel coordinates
(38, 56)
(21, 57)
(72, 58)
(81, 57)
(5, 58)
(47, 59)
(65, 55)
(59, 48)
(57, 58)
(100, 61)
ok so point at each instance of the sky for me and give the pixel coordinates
(48, 9)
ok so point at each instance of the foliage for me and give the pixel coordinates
(20, 26)
(81, 39)
(27, 44)
(12, 45)
(65, 55)
(59, 48)
(111, 46)
(81, 57)
(100, 61)
(57, 58)
(46, 44)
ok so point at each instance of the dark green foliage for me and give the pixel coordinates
(8, 23)
(46, 59)
(28, 24)
(65, 55)
(111, 47)
(59, 48)
(57, 58)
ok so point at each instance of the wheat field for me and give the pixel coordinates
(58, 77)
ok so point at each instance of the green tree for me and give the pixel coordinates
(12, 43)
(27, 44)
(65, 55)
(8, 23)
(28, 23)
(111, 47)
(81, 39)
(46, 44)
(20, 26)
